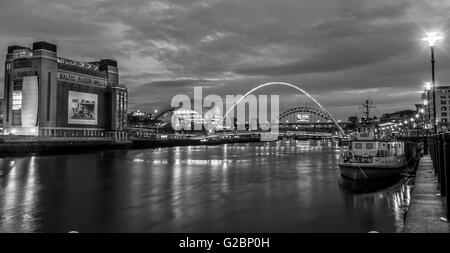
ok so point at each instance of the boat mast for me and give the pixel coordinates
(367, 106)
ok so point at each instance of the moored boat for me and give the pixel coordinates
(369, 158)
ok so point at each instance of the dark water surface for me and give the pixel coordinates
(256, 187)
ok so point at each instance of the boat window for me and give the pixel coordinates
(369, 145)
(358, 145)
(382, 153)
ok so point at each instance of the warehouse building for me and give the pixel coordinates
(46, 95)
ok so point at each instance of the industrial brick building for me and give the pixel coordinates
(46, 95)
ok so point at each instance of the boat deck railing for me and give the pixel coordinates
(378, 154)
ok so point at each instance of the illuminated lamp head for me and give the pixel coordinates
(432, 38)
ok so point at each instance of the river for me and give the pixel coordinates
(284, 186)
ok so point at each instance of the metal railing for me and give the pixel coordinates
(439, 147)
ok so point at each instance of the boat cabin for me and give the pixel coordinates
(376, 148)
(367, 149)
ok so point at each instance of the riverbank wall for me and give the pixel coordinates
(36, 145)
(20, 146)
(158, 143)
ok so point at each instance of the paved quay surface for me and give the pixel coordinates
(426, 207)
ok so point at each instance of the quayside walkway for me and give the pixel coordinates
(426, 207)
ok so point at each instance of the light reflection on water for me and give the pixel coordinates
(289, 186)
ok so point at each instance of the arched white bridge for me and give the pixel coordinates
(283, 84)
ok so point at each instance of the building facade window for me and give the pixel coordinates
(49, 83)
(444, 114)
(17, 104)
(22, 63)
(7, 96)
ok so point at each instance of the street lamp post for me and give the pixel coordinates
(428, 88)
(432, 39)
(434, 89)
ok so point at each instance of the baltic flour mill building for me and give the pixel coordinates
(46, 95)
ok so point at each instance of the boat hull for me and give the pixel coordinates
(358, 171)
(355, 172)
(368, 185)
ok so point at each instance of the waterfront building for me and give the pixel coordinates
(442, 107)
(191, 119)
(398, 116)
(139, 118)
(50, 96)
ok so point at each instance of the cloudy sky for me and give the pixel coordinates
(339, 51)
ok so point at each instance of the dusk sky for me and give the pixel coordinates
(339, 51)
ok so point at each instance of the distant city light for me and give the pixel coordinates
(428, 86)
